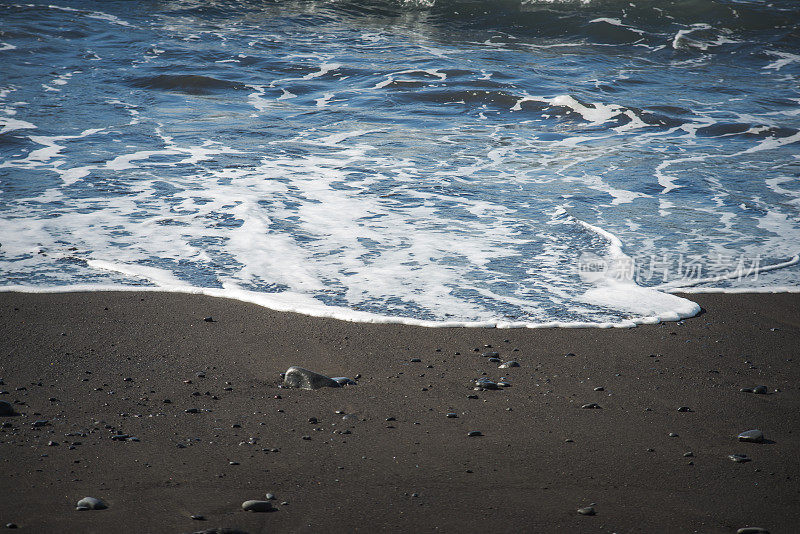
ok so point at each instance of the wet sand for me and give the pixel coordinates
(98, 365)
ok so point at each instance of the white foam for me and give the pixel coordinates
(786, 58)
(9, 124)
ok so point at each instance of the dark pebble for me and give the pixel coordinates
(257, 506)
(6, 408)
(587, 510)
(485, 383)
(415, 360)
(208, 319)
(474, 433)
(760, 390)
(90, 503)
(599, 388)
(191, 410)
(753, 436)
(198, 517)
(684, 409)
(490, 354)
(592, 406)
(752, 530)
(739, 458)
(11, 525)
(452, 415)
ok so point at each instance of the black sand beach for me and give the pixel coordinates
(99, 365)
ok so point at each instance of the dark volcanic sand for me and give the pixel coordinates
(521, 475)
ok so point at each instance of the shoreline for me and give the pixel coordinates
(111, 359)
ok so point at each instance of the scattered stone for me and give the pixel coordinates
(592, 406)
(257, 506)
(495, 360)
(40, 422)
(90, 503)
(415, 360)
(752, 530)
(474, 433)
(52, 444)
(6, 408)
(673, 435)
(472, 396)
(197, 517)
(11, 525)
(760, 390)
(504, 384)
(451, 415)
(208, 319)
(586, 510)
(270, 496)
(220, 530)
(688, 454)
(684, 409)
(753, 436)
(485, 383)
(191, 410)
(344, 381)
(297, 377)
(599, 388)
(490, 354)
(739, 458)
(508, 364)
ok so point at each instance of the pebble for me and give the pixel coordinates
(90, 503)
(752, 530)
(270, 496)
(753, 436)
(415, 360)
(592, 406)
(684, 409)
(197, 517)
(257, 506)
(11, 525)
(474, 433)
(673, 435)
(485, 383)
(508, 364)
(587, 510)
(490, 354)
(739, 458)
(599, 388)
(688, 454)
(344, 381)
(452, 415)
(208, 319)
(297, 377)
(6, 408)
(191, 410)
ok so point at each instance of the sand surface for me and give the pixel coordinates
(95, 365)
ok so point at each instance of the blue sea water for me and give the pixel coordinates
(433, 161)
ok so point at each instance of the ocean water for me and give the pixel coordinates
(438, 162)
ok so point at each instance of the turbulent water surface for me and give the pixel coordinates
(438, 161)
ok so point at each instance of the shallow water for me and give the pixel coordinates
(506, 162)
